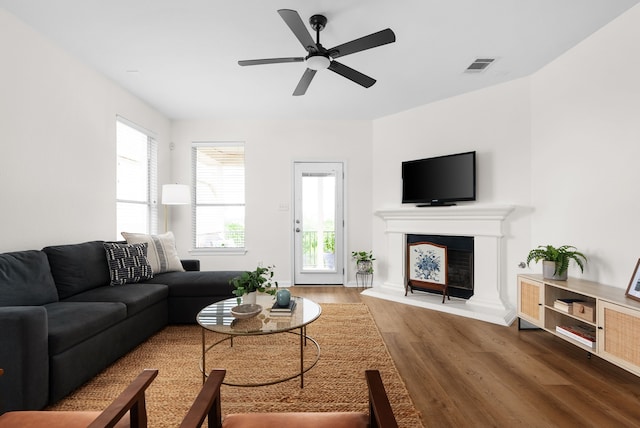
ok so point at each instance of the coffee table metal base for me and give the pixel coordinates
(303, 343)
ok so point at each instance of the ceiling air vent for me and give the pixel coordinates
(479, 65)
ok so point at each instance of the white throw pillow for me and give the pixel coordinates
(161, 253)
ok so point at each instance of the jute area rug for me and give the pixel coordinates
(349, 340)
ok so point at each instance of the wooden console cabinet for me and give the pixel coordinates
(616, 319)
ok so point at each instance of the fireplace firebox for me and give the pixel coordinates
(459, 260)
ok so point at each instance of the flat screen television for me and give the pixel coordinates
(441, 180)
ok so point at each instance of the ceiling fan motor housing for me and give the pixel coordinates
(318, 22)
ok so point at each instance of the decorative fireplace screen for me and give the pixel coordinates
(427, 268)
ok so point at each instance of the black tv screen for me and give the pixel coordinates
(440, 180)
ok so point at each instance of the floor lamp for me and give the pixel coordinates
(174, 194)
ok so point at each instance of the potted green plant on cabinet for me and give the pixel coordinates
(555, 261)
(258, 280)
(364, 261)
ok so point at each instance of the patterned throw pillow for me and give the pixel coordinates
(127, 263)
(162, 254)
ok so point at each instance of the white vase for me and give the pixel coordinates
(250, 298)
(548, 271)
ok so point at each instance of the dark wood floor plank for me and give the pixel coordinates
(581, 405)
(518, 394)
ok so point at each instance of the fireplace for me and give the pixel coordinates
(482, 223)
(459, 270)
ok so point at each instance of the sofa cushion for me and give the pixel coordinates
(72, 322)
(162, 253)
(127, 263)
(25, 279)
(200, 283)
(136, 297)
(190, 264)
(78, 267)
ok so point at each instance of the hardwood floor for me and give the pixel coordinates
(467, 373)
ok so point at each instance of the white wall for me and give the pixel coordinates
(57, 145)
(586, 146)
(562, 145)
(271, 147)
(495, 122)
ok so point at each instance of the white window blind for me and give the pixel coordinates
(219, 207)
(136, 175)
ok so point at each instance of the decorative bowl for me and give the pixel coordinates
(247, 310)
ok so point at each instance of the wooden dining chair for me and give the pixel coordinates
(207, 405)
(131, 401)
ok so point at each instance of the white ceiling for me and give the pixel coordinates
(180, 56)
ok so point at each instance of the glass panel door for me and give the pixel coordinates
(318, 223)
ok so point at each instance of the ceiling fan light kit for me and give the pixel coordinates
(320, 58)
(318, 62)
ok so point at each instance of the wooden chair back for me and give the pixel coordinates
(208, 401)
(131, 400)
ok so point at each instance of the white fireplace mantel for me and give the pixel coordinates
(484, 223)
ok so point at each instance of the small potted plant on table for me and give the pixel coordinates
(258, 280)
(555, 261)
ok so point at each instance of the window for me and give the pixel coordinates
(219, 207)
(137, 182)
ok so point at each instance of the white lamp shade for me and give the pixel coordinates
(176, 194)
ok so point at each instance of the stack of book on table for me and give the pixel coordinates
(580, 334)
(565, 305)
(283, 311)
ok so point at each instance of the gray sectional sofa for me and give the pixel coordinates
(61, 322)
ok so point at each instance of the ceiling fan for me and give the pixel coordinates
(320, 58)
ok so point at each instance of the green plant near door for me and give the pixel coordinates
(364, 260)
(560, 256)
(329, 242)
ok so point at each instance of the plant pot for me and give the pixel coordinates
(250, 297)
(364, 266)
(548, 268)
(329, 260)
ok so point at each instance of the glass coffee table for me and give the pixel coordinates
(217, 318)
